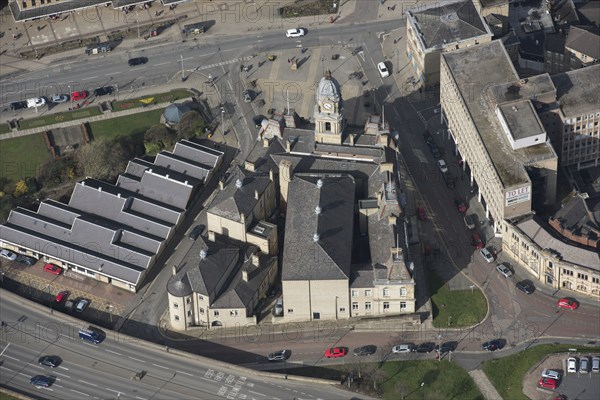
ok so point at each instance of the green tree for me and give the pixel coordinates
(191, 124)
(157, 138)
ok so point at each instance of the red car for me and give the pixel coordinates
(336, 352)
(53, 269)
(566, 303)
(548, 383)
(422, 214)
(461, 206)
(78, 95)
(61, 296)
(476, 240)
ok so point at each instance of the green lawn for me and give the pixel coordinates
(51, 119)
(129, 125)
(23, 156)
(4, 128)
(153, 99)
(455, 308)
(5, 396)
(507, 373)
(402, 379)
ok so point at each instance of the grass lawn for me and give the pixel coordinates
(402, 379)
(23, 156)
(5, 396)
(153, 99)
(459, 308)
(134, 124)
(507, 373)
(60, 117)
(4, 128)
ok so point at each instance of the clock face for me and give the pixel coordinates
(327, 106)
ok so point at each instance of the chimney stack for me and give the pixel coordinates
(255, 259)
(256, 194)
(245, 275)
(221, 184)
(174, 269)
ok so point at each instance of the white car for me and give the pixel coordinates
(442, 166)
(487, 256)
(383, 71)
(403, 348)
(503, 269)
(550, 373)
(9, 255)
(294, 33)
(572, 365)
(36, 102)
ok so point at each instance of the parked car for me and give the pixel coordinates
(422, 214)
(383, 70)
(18, 105)
(279, 355)
(294, 33)
(23, 259)
(476, 241)
(567, 304)
(403, 348)
(450, 180)
(572, 365)
(336, 352)
(7, 254)
(444, 348)
(365, 350)
(487, 256)
(504, 270)
(137, 61)
(550, 373)
(425, 347)
(470, 221)
(435, 151)
(442, 166)
(103, 91)
(36, 102)
(196, 232)
(525, 286)
(246, 96)
(596, 365)
(584, 365)
(258, 119)
(40, 381)
(81, 305)
(548, 383)
(75, 96)
(62, 296)
(461, 206)
(49, 361)
(492, 345)
(59, 98)
(53, 269)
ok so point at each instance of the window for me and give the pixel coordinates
(216, 313)
(233, 313)
(189, 313)
(367, 292)
(354, 305)
(188, 300)
(567, 272)
(402, 292)
(386, 306)
(582, 276)
(177, 318)
(175, 306)
(290, 310)
(386, 292)
(200, 297)
(354, 293)
(402, 306)
(368, 306)
(595, 280)
(343, 309)
(201, 311)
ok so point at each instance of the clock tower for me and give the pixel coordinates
(328, 111)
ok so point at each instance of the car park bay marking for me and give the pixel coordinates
(12, 358)
(168, 62)
(137, 69)
(88, 78)
(66, 369)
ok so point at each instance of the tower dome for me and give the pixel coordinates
(328, 88)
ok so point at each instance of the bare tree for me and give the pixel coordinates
(190, 125)
(102, 159)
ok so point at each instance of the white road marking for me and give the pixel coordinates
(137, 69)
(58, 373)
(137, 359)
(160, 366)
(77, 391)
(57, 385)
(114, 352)
(11, 358)
(87, 383)
(116, 391)
(169, 62)
(113, 73)
(185, 373)
(260, 394)
(66, 369)
(141, 398)
(91, 77)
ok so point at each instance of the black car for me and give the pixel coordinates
(525, 287)
(424, 348)
(444, 348)
(103, 91)
(435, 151)
(18, 105)
(40, 381)
(49, 361)
(137, 61)
(492, 345)
(279, 355)
(365, 350)
(23, 259)
(196, 232)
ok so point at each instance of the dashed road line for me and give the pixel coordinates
(260, 394)
(184, 373)
(137, 359)
(78, 392)
(160, 366)
(87, 383)
(114, 352)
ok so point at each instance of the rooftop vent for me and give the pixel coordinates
(316, 237)
(320, 183)
(202, 254)
(238, 183)
(317, 210)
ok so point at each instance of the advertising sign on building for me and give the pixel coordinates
(518, 195)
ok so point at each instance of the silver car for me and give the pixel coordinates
(584, 365)
(487, 256)
(549, 373)
(59, 98)
(503, 269)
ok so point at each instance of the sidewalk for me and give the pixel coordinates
(488, 390)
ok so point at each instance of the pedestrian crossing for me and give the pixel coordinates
(236, 60)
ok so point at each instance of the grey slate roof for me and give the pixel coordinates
(174, 112)
(584, 40)
(232, 202)
(578, 91)
(329, 257)
(589, 13)
(576, 217)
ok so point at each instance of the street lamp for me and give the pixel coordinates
(440, 347)
(70, 96)
(137, 21)
(422, 390)
(222, 120)
(182, 70)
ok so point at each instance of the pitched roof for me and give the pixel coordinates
(584, 40)
(328, 256)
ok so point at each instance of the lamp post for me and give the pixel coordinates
(440, 347)
(70, 96)
(223, 120)
(137, 21)
(336, 308)
(422, 390)
(182, 70)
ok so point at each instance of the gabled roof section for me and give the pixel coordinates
(584, 40)
(317, 241)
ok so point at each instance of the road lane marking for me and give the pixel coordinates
(114, 352)
(137, 359)
(58, 373)
(169, 62)
(11, 357)
(141, 398)
(65, 368)
(91, 77)
(185, 373)
(160, 366)
(260, 394)
(137, 69)
(116, 391)
(87, 383)
(77, 391)
(113, 73)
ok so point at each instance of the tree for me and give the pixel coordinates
(157, 138)
(103, 159)
(191, 124)
(20, 188)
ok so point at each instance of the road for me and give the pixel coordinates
(106, 370)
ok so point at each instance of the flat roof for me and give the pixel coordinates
(578, 91)
(521, 118)
(476, 69)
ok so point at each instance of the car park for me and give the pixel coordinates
(422, 214)
(596, 365)
(525, 287)
(470, 221)
(294, 33)
(442, 166)
(59, 98)
(7, 254)
(53, 269)
(572, 365)
(504, 270)
(61, 296)
(75, 96)
(550, 373)
(548, 383)
(137, 61)
(40, 381)
(103, 91)
(36, 102)
(403, 348)
(23, 259)
(425, 348)
(365, 350)
(81, 305)
(487, 256)
(492, 345)
(566, 304)
(18, 105)
(336, 352)
(383, 70)
(196, 232)
(584, 365)
(279, 355)
(476, 241)
(49, 361)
